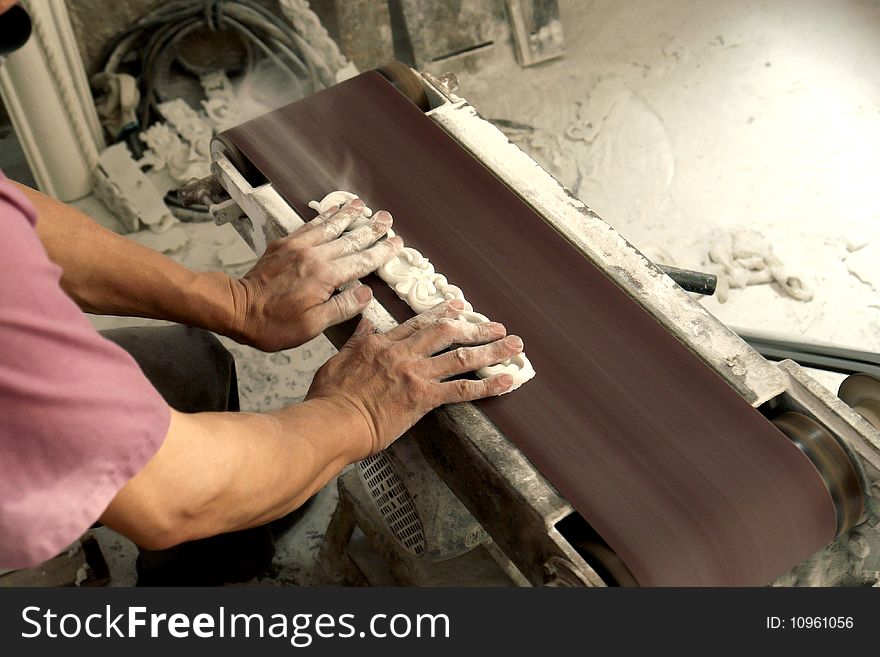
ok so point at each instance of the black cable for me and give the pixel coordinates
(159, 30)
(833, 359)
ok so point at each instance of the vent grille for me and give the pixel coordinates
(393, 501)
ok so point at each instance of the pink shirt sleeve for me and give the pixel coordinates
(78, 418)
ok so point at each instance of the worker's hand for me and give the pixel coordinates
(392, 379)
(290, 296)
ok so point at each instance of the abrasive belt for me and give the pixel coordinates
(681, 477)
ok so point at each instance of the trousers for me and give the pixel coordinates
(194, 372)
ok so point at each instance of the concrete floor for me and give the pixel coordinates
(675, 121)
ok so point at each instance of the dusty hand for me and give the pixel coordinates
(289, 296)
(394, 378)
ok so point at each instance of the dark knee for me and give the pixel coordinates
(189, 366)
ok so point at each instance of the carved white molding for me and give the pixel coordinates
(46, 94)
(128, 193)
(167, 149)
(329, 60)
(193, 126)
(413, 278)
(221, 102)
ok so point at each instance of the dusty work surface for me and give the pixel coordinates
(677, 473)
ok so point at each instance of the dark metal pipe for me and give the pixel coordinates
(823, 357)
(692, 281)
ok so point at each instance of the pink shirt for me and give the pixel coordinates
(78, 418)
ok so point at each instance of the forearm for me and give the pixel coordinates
(220, 472)
(108, 274)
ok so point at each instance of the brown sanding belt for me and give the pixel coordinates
(685, 481)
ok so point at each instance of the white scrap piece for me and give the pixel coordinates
(166, 149)
(127, 192)
(182, 143)
(81, 576)
(220, 104)
(862, 264)
(745, 257)
(412, 277)
(193, 126)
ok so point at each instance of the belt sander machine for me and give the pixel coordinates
(654, 446)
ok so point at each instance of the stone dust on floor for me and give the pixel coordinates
(679, 121)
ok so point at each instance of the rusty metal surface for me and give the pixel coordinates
(685, 481)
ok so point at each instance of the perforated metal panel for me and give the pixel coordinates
(393, 502)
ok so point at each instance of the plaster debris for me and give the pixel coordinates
(864, 264)
(620, 136)
(855, 243)
(584, 127)
(745, 257)
(193, 126)
(182, 144)
(167, 150)
(127, 192)
(220, 104)
(850, 560)
(81, 576)
(178, 149)
(412, 277)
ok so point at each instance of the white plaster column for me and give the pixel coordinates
(47, 96)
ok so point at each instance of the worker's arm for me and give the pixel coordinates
(285, 300)
(218, 472)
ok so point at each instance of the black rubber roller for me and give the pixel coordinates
(221, 145)
(407, 82)
(834, 464)
(606, 563)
